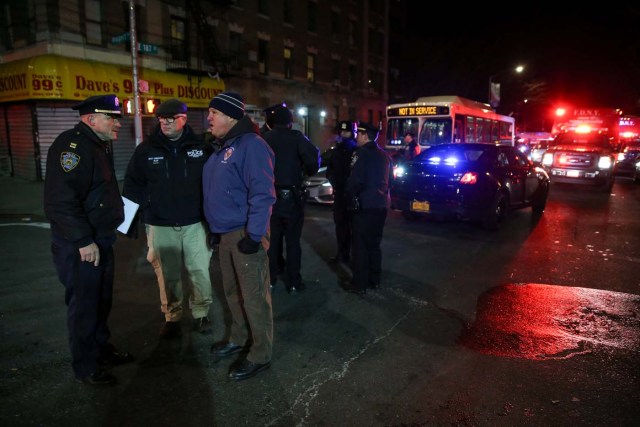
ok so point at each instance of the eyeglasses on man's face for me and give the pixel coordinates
(170, 120)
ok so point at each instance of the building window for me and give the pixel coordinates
(312, 16)
(335, 72)
(288, 63)
(351, 29)
(335, 25)
(311, 68)
(235, 40)
(93, 22)
(263, 7)
(178, 39)
(263, 54)
(353, 76)
(288, 12)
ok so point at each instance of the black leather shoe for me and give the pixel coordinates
(247, 369)
(202, 325)
(170, 330)
(115, 358)
(98, 378)
(226, 349)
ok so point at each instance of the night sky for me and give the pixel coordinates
(580, 57)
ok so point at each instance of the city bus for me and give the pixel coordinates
(438, 120)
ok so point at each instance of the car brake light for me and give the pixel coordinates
(469, 178)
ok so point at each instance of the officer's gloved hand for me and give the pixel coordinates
(248, 245)
(213, 239)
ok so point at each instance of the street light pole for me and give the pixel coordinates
(494, 101)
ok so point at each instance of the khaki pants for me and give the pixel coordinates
(169, 247)
(245, 279)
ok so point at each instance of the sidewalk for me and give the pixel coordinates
(21, 199)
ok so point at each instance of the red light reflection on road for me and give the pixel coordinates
(536, 321)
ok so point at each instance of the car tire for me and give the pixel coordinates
(539, 203)
(496, 214)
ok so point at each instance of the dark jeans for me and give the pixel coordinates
(88, 295)
(368, 225)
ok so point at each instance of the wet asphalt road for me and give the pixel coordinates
(455, 337)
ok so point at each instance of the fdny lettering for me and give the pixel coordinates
(195, 154)
(69, 161)
(156, 160)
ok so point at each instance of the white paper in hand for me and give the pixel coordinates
(130, 209)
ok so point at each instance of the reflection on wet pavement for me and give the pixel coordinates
(537, 321)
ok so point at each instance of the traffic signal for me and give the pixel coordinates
(150, 105)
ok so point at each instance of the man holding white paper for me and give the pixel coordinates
(164, 177)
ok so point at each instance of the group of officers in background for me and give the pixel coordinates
(239, 192)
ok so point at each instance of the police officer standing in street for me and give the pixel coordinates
(83, 204)
(164, 177)
(368, 192)
(338, 171)
(296, 157)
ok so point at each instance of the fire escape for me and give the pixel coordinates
(210, 60)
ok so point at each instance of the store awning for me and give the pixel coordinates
(52, 77)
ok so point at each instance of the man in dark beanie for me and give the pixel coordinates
(164, 177)
(238, 195)
(296, 158)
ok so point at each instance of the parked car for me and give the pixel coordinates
(538, 149)
(318, 187)
(627, 158)
(477, 182)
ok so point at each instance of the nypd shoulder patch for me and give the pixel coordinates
(69, 161)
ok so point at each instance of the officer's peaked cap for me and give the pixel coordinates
(106, 104)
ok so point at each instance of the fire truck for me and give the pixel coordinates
(584, 147)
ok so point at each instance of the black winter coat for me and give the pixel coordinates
(81, 195)
(165, 178)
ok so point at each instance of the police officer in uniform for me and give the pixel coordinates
(296, 157)
(164, 177)
(368, 192)
(338, 170)
(268, 118)
(83, 204)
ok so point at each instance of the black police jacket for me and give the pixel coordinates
(81, 195)
(339, 163)
(165, 178)
(296, 157)
(371, 177)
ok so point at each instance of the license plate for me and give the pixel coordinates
(573, 174)
(418, 206)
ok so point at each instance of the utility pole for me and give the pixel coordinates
(137, 118)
